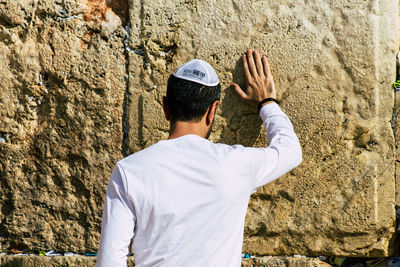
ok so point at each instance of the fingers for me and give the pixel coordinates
(267, 70)
(246, 67)
(259, 80)
(239, 91)
(259, 65)
(251, 63)
(254, 65)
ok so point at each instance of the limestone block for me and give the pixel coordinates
(333, 63)
(42, 261)
(82, 261)
(62, 70)
(269, 261)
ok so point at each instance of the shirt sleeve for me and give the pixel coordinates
(117, 228)
(283, 152)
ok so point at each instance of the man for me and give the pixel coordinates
(184, 200)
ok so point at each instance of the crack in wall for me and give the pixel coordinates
(394, 129)
(125, 116)
(131, 47)
(126, 126)
(140, 101)
(140, 50)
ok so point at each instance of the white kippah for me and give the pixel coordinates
(198, 71)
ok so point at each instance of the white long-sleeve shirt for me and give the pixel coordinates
(184, 200)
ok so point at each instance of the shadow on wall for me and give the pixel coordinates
(99, 9)
(243, 121)
(121, 8)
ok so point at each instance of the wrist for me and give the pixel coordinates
(266, 101)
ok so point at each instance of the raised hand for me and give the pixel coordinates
(259, 81)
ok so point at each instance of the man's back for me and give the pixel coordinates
(184, 200)
(189, 196)
(190, 202)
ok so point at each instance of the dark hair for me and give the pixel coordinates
(187, 100)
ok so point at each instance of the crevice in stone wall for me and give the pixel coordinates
(99, 8)
(141, 33)
(394, 129)
(125, 105)
(393, 121)
(137, 48)
(125, 116)
(396, 89)
(121, 8)
(140, 124)
(141, 50)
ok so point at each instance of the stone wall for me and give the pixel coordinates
(82, 84)
(63, 79)
(82, 261)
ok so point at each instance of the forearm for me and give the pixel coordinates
(118, 223)
(281, 138)
(283, 152)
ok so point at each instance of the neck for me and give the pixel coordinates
(181, 128)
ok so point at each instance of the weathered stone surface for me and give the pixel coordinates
(283, 262)
(62, 71)
(333, 63)
(82, 261)
(64, 115)
(41, 261)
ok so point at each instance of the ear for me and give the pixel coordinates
(165, 108)
(211, 112)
